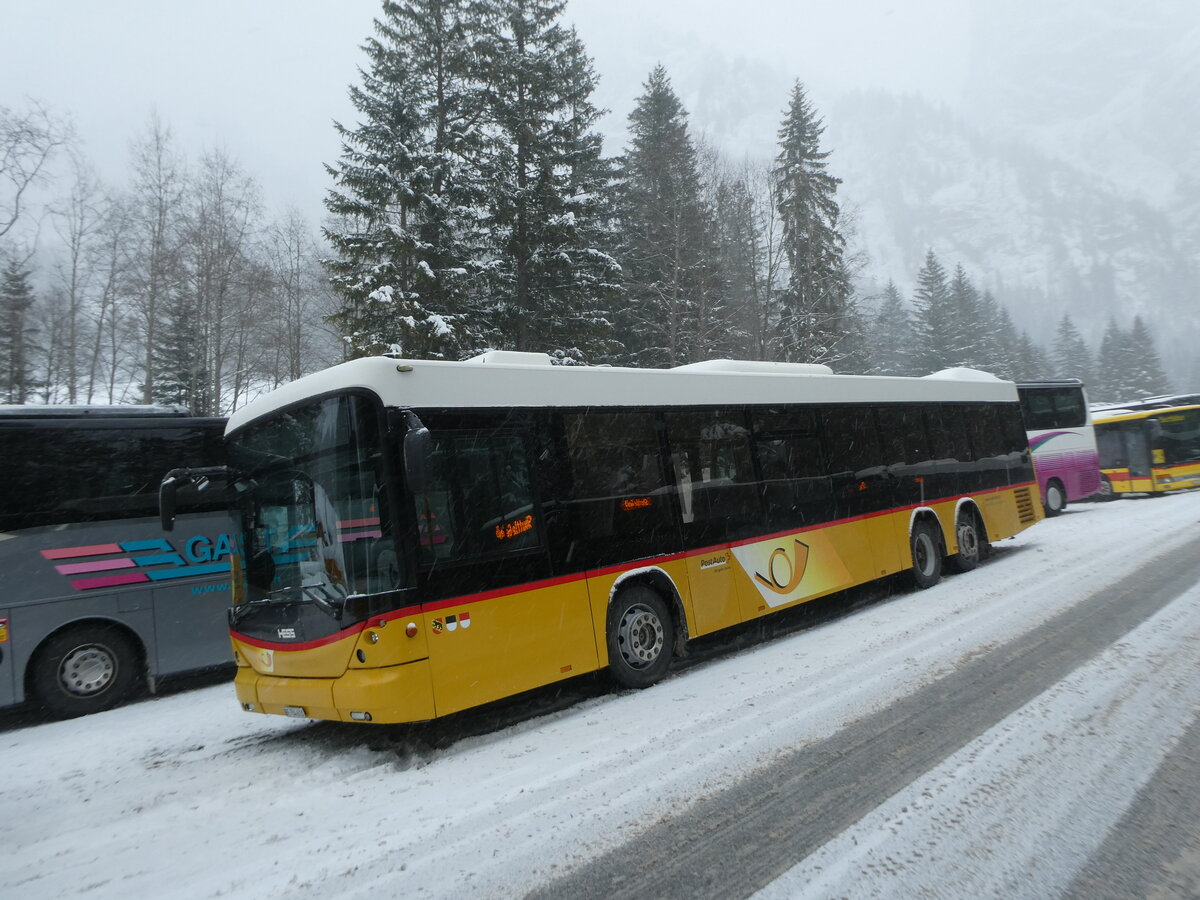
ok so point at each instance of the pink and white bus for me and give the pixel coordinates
(1059, 427)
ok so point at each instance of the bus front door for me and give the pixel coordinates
(1137, 451)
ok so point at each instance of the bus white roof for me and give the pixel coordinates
(501, 379)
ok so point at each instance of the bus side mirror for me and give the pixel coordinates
(166, 499)
(418, 454)
(170, 485)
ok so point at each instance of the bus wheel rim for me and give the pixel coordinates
(640, 636)
(87, 670)
(968, 541)
(923, 551)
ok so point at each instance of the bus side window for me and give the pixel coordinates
(621, 503)
(794, 488)
(722, 484)
(480, 500)
(1069, 411)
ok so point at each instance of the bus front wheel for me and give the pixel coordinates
(641, 635)
(84, 669)
(926, 555)
(1056, 498)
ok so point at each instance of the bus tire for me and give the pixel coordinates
(641, 635)
(970, 542)
(1056, 498)
(83, 669)
(926, 547)
(1106, 492)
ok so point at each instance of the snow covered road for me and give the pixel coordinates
(185, 796)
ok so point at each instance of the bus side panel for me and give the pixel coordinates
(190, 611)
(482, 650)
(8, 686)
(713, 591)
(800, 566)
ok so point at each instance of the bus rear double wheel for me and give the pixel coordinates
(641, 637)
(83, 669)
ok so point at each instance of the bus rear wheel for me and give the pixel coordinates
(926, 555)
(84, 669)
(1056, 498)
(641, 635)
(970, 542)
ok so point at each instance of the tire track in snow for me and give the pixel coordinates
(748, 835)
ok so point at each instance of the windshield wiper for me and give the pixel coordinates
(334, 611)
(307, 592)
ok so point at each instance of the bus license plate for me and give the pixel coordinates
(296, 712)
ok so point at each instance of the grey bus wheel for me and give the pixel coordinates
(926, 555)
(84, 669)
(970, 544)
(641, 635)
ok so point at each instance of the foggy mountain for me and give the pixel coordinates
(1063, 182)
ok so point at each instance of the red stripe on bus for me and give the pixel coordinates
(94, 550)
(298, 645)
(471, 599)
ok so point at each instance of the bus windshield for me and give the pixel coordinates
(316, 529)
(1180, 439)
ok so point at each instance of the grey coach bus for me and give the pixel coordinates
(95, 599)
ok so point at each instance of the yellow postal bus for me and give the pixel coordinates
(419, 537)
(1149, 448)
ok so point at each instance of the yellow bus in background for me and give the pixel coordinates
(421, 537)
(1151, 448)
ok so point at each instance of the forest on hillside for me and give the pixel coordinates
(472, 207)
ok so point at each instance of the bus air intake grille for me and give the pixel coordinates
(1025, 505)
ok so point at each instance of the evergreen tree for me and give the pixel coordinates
(182, 377)
(668, 244)
(1030, 362)
(740, 260)
(1111, 384)
(16, 302)
(1070, 354)
(963, 340)
(548, 274)
(818, 322)
(996, 336)
(406, 189)
(1144, 370)
(892, 335)
(931, 305)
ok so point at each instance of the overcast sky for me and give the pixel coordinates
(264, 78)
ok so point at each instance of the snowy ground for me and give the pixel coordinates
(186, 796)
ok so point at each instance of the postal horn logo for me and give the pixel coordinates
(784, 570)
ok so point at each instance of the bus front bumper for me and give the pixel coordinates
(388, 695)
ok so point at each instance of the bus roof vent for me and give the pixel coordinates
(510, 358)
(961, 373)
(755, 367)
